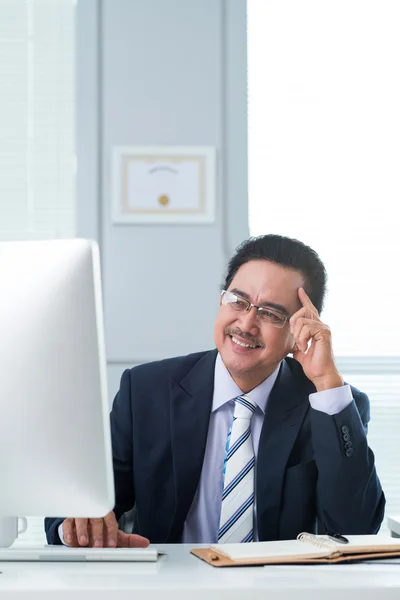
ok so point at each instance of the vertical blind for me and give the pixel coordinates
(324, 155)
(37, 131)
(37, 128)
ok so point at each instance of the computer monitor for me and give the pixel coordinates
(55, 442)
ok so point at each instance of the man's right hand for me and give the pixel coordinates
(100, 533)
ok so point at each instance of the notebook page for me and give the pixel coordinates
(367, 543)
(280, 549)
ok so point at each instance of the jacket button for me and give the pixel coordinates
(345, 429)
(349, 452)
(348, 445)
(346, 437)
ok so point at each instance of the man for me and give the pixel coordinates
(243, 442)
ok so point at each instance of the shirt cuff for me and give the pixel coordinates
(332, 401)
(61, 535)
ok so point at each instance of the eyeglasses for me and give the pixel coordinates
(265, 314)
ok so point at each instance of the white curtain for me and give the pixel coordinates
(324, 156)
(37, 128)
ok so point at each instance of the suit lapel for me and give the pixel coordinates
(286, 409)
(191, 403)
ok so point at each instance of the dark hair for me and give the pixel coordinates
(287, 252)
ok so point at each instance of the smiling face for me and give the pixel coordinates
(250, 348)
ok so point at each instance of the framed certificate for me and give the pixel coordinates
(163, 184)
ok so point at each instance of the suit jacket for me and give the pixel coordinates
(310, 466)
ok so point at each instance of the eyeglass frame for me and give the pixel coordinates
(250, 305)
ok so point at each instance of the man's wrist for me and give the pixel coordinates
(328, 382)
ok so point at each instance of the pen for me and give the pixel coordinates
(336, 537)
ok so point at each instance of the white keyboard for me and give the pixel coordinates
(65, 554)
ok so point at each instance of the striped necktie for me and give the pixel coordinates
(236, 522)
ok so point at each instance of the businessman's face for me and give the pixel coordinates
(251, 347)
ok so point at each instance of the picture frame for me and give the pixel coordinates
(163, 184)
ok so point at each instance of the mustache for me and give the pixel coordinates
(245, 336)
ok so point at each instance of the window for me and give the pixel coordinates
(37, 128)
(324, 155)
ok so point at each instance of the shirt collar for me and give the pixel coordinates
(225, 389)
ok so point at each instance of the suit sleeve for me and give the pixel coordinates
(51, 529)
(349, 494)
(122, 449)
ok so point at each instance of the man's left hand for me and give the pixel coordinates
(313, 347)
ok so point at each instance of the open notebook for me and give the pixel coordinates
(306, 549)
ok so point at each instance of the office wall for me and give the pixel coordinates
(161, 72)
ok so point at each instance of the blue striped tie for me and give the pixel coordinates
(236, 522)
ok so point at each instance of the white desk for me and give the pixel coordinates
(181, 576)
